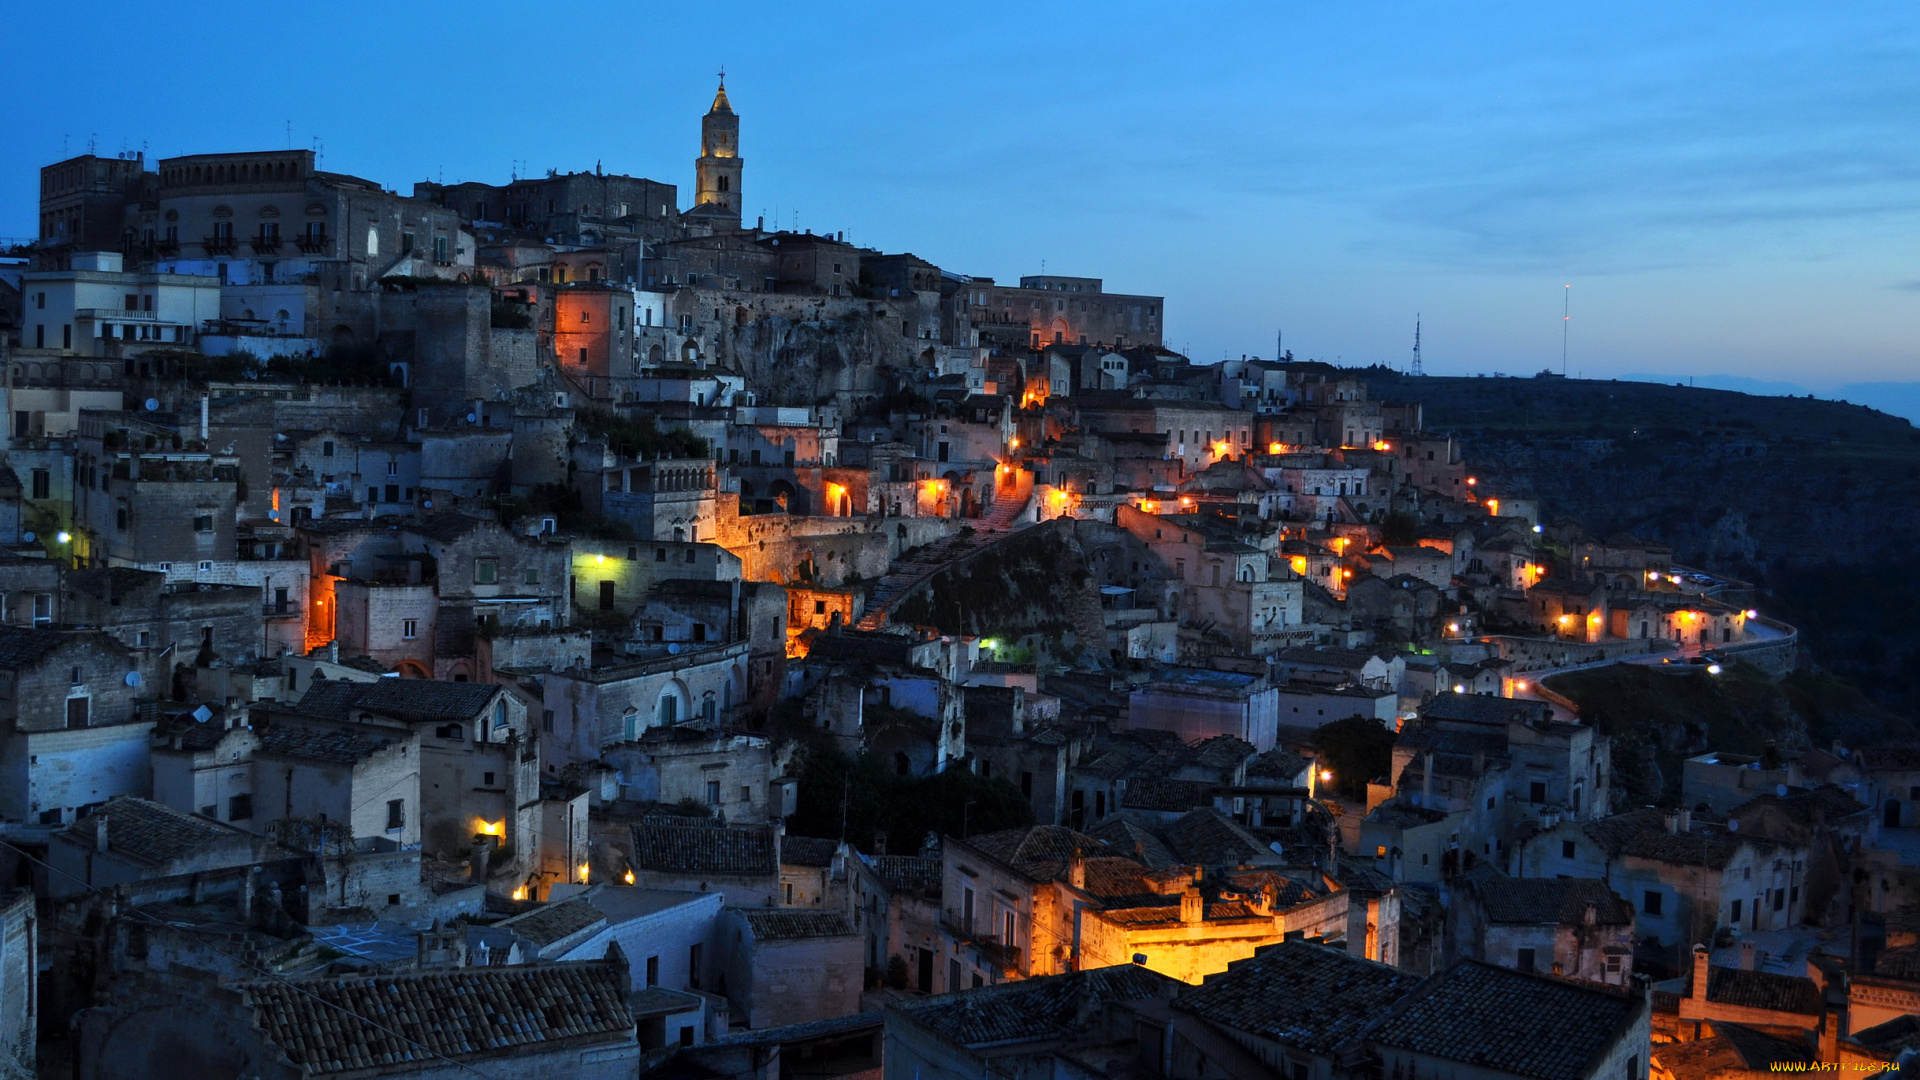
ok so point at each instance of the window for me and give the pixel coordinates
(1524, 960)
(499, 714)
(326, 448)
(120, 518)
(533, 575)
(50, 817)
(42, 483)
(966, 909)
(409, 628)
(77, 711)
(746, 794)
(203, 523)
(713, 793)
(239, 807)
(1567, 849)
(486, 571)
(1537, 792)
(1779, 898)
(653, 971)
(206, 566)
(1736, 911)
(546, 721)
(693, 966)
(789, 894)
(396, 814)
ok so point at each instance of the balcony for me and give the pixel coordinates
(264, 245)
(312, 243)
(219, 245)
(280, 609)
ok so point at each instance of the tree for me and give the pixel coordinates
(1357, 749)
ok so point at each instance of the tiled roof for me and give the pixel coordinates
(1155, 793)
(150, 831)
(1763, 990)
(699, 849)
(1113, 876)
(1900, 962)
(1287, 891)
(446, 527)
(918, 874)
(21, 645)
(1890, 757)
(346, 1024)
(1031, 1010)
(1897, 1034)
(1496, 1019)
(1210, 838)
(1731, 1049)
(1133, 839)
(340, 747)
(1278, 763)
(406, 699)
(1549, 900)
(1041, 852)
(807, 851)
(792, 924)
(1220, 752)
(1309, 997)
(549, 923)
(1643, 834)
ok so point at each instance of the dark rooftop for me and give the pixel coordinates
(1310, 997)
(1493, 1018)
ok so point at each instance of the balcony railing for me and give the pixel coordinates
(264, 244)
(274, 609)
(312, 243)
(219, 245)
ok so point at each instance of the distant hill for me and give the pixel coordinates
(1817, 500)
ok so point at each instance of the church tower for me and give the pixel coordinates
(717, 171)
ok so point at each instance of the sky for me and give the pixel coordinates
(1731, 191)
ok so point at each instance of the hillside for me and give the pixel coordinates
(1816, 501)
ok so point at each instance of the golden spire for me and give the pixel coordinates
(720, 103)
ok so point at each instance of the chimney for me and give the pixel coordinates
(333, 650)
(1426, 781)
(100, 834)
(1269, 899)
(1701, 961)
(1077, 870)
(1672, 819)
(244, 899)
(1590, 914)
(1749, 956)
(1830, 1034)
(203, 418)
(479, 860)
(1192, 907)
(1686, 821)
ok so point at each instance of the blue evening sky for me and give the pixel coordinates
(1732, 190)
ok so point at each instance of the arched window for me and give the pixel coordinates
(668, 713)
(630, 724)
(500, 714)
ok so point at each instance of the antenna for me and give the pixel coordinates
(289, 134)
(1566, 318)
(1280, 344)
(1415, 369)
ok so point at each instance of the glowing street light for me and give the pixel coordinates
(63, 537)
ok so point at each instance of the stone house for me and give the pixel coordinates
(362, 778)
(130, 839)
(792, 967)
(732, 773)
(1196, 703)
(1573, 927)
(740, 863)
(587, 709)
(1685, 878)
(72, 737)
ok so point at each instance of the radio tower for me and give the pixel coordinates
(1415, 369)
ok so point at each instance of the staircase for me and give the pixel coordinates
(909, 573)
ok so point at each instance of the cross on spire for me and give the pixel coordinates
(723, 75)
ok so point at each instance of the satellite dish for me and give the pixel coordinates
(26, 538)
(472, 418)
(133, 678)
(203, 714)
(153, 404)
(673, 649)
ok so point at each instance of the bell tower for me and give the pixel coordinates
(717, 170)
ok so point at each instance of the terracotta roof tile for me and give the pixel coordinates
(1309, 997)
(1495, 1019)
(383, 1021)
(793, 924)
(701, 849)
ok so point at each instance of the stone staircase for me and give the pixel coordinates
(909, 573)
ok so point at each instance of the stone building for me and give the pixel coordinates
(73, 738)
(792, 967)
